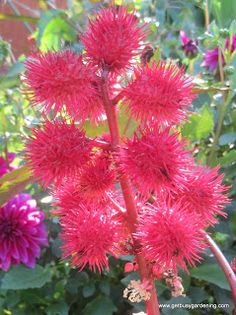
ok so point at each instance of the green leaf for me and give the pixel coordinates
(102, 305)
(19, 173)
(46, 17)
(13, 183)
(131, 276)
(76, 280)
(20, 277)
(227, 138)
(200, 124)
(16, 68)
(56, 30)
(60, 308)
(211, 273)
(224, 11)
(228, 157)
(88, 290)
(9, 82)
(104, 287)
(198, 295)
(174, 308)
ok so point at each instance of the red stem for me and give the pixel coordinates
(225, 266)
(152, 306)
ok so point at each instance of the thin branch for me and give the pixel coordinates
(225, 266)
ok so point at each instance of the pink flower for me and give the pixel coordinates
(89, 234)
(57, 150)
(189, 46)
(113, 38)
(59, 79)
(159, 93)
(22, 232)
(204, 194)
(170, 237)
(211, 57)
(155, 161)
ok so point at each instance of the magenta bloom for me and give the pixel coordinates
(159, 93)
(113, 38)
(189, 46)
(22, 232)
(170, 236)
(211, 58)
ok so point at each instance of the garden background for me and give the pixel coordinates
(52, 287)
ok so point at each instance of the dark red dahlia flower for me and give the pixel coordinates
(204, 194)
(159, 93)
(57, 150)
(89, 234)
(155, 161)
(170, 236)
(22, 233)
(113, 38)
(59, 79)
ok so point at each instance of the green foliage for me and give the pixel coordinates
(20, 277)
(13, 183)
(211, 273)
(53, 28)
(200, 124)
(100, 306)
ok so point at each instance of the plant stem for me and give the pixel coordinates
(152, 306)
(222, 110)
(225, 266)
(206, 15)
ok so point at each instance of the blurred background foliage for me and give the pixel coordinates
(52, 288)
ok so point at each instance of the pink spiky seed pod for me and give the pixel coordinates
(159, 94)
(58, 79)
(155, 161)
(89, 234)
(57, 150)
(204, 194)
(113, 39)
(170, 236)
(91, 184)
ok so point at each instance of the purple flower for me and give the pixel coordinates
(211, 57)
(22, 232)
(189, 46)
